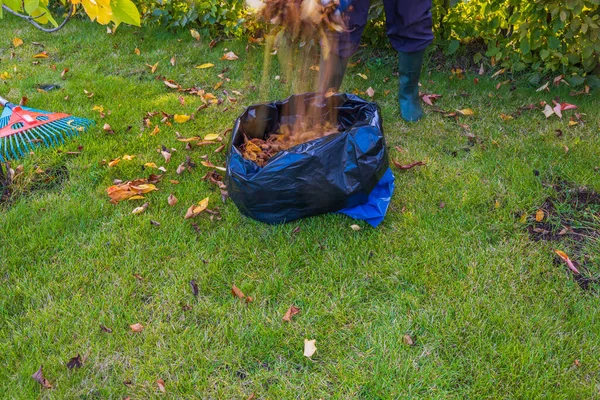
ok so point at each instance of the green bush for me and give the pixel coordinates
(213, 17)
(546, 35)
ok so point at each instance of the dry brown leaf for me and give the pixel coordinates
(137, 51)
(195, 210)
(39, 378)
(166, 155)
(172, 200)
(161, 385)
(370, 92)
(293, 310)
(137, 327)
(229, 56)
(152, 67)
(75, 362)
(408, 166)
(181, 168)
(173, 61)
(140, 209)
(408, 340)
(567, 260)
(309, 348)
(237, 292)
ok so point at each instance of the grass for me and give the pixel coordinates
(491, 312)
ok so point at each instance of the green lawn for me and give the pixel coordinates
(493, 314)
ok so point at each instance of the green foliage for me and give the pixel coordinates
(544, 35)
(225, 17)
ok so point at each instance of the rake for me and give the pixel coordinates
(23, 129)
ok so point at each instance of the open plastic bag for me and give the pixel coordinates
(336, 173)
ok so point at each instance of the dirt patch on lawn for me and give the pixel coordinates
(571, 219)
(16, 181)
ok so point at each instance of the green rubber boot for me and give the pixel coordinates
(409, 68)
(331, 72)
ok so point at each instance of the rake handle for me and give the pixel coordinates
(5, 103)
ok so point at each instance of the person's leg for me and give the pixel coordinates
(342, 46)
(409, 28)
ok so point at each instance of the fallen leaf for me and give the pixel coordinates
(466, 111)
(64, 72)
(155, 223)
(237, 292)
(181, 118)
(204, 66)
(17, 42)
(140, 209)
(107, 128)
(557, 110)
(194, 286)
(567, 260)
(137, 51)
(137, 327)
(195, 210)
(171, 84)
(161, 385)
(567, 106)
(127, 157)
(181, 168)
(481, 70)
(221, 147)
(500, 72)
(152, 67)
(114, 162)
(363, 76)
(548, 111)
(408, 340)
(39, 378)
(355, 227)
(293, 310)
(539, 215)
(309, 348)
(505, 117)
(211, 136)
(408, 166)
(166, 154)
(370, 92)
(229, 56)
(172, 200)
(173, 61)
(195, 34)
(75, 362)
(543, 87)
(43, 54)
(105, 329)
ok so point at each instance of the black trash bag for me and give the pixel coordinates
(320, 176)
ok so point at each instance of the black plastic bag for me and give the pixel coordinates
(321, 176)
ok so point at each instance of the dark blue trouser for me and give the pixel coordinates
(408, 22)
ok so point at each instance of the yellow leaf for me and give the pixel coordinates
(114, 162)
(152, 67)
(140, 209)
(218, 85)
(195, 34)
(98, 108)
(17, 42)
(150, 165)
(136, 197)
(466, 111)
(127, 157)
(194, 210)
(363, 76)
(137, 51)
(43, 54)
(211, 136)
(539, 215)
(204, 66)
(181, 118)
(155, 131)
(572, 123)
(497, 204)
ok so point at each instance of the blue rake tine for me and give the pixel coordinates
(12, 148)
(66, 128)
(54, 135)
(2, 146)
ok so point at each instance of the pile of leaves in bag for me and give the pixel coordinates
(287, 136)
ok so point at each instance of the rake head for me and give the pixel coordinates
(23, 129)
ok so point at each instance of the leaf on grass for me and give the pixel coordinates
(500, 72)
(64, 72)
(205, 66)
(114, 162)
(166, 154)
(17, 41)
(221, 147)
(408, 166)
(229, 56)
(370, 92)
(355, 227)
(155, 131)
(194, 286)
(430, 98)
(152, 67)
(172, 61)
(171, 84)
(39, 378)
(544, 87)
(127, 157)
(539, 215)
(557, 110)
(161, 385)
(185, 140)
(309, 348)
(211, 136)
(567, 106)
(127, 190)
(563, 256)
(211, 165)
(237, 292)
(172, 200)
(195, 34)
(363, 76)
(75, 362)
(293, 310)
(181, 118)
(505, 117)
(43, 54)
(408, 340)
(466, 112)
(181, 168)
(548, 111)
(140, 209)
(136, 327)
(105, 329)
(195, 210)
